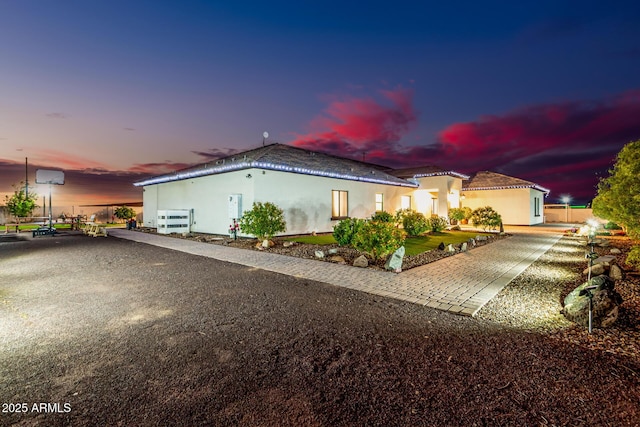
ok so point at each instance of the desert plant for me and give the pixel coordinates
(633, 257)
(344, 231)
(414, 223)
(264, 220)
(437, 223)
(486, 217)
(382, 216)
(377, 239)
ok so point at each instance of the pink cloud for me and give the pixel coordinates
(565, 146)
(353, 125)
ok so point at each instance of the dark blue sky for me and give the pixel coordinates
(548, 91)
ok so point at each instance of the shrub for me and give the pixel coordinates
(486, 217)
(400, 214)
(377, 239)
(467, 212)
(344, 231)
(264, 220)
(124, 212)
(633, 257)
(414, 223)
(612, 226)
(383, 216)
(437, 223)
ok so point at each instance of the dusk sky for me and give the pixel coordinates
(113, 91)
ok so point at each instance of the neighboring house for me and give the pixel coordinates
(519, 202)
(314, 190)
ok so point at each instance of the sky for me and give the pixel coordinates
(114, 91)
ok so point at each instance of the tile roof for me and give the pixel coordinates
(424, 171)
(487, 180)
(287, 158)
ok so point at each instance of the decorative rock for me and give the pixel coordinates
(361, 261)
(463, 248)
(394, 263)
(615, 251)
(472, 241)
(319, 254)
(441, 246)
(605, 303)
(596, 270)
(603, 243)
(266, 243)
(615, 272)
(313, 233)
(450, 248)
(288, 244)
(605, 259)
(454, 227)
(337, 258)
(333, 251)
(481, 238)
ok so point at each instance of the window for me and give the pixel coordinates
(536, 206)
(405, 202)
(379, 204)
(339, 204)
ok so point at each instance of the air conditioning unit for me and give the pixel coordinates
(174, 221)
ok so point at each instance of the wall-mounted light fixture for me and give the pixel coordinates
(249, 176)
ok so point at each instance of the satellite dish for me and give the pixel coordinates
(265, 134)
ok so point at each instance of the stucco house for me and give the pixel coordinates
(518, 201)
(315, 190)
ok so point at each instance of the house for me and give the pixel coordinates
(519, 202)
(315, 190)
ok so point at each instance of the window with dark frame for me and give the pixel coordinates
(536, 206)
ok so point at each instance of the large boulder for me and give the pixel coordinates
(394, 263)
(361, 262)
(605, 303)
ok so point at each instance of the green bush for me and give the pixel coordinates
(633, 258)
(400, 214)
(612, 226)
(437, 223)
(378, 239)
(414, 223)
(344, 231)
(486, 217)
(383, 216)
(264, 220)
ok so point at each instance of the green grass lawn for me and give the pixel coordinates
(412, 245)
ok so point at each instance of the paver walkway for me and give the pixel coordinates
(460, 284)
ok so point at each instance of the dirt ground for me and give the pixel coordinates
(118, 333)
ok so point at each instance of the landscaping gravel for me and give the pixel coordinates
(122, 333)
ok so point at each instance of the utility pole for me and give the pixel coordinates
(26, 179)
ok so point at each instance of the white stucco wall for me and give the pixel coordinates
(445, 189)
(305, 199)
(207, 197)
(516, 205)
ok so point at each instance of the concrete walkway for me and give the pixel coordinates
(460, 284)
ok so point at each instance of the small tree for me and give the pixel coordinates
(21, 204)
(124, 212)
(456, 214)
(618, 196)
(264, 220)
(378, 239)
(486, 217)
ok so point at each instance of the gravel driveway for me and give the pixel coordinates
(113, 332)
